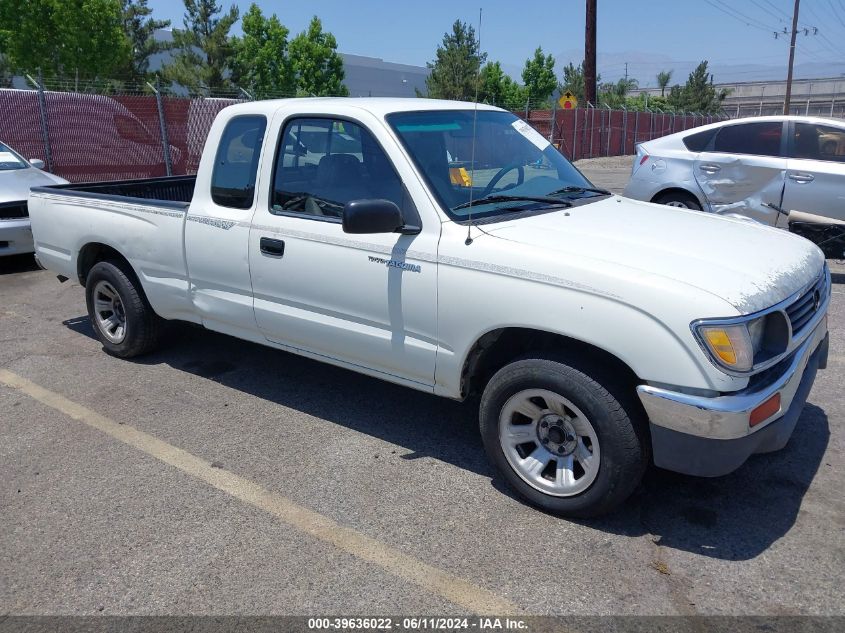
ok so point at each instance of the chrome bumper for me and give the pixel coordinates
(727, 417)
(712, 436)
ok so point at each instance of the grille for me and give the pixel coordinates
(11, 210)
(804, 308)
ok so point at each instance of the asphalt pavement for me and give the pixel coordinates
(221, 477)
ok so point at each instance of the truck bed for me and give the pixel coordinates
(170, 191)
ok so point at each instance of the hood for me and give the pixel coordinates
(749, 265)
(15, 183)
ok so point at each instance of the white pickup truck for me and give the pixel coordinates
(450, 248)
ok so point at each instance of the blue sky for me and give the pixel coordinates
(648, 35)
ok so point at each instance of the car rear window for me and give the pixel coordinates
(233, 178)
(698, 141)
(758, 139)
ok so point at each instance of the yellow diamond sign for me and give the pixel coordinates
(568, 101)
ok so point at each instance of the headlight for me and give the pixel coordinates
(730, 345)
(745, 345)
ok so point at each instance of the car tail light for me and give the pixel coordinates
(642, 157)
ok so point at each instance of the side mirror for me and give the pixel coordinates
(37, 163)
(371, 216)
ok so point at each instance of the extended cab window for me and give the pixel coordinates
(758, 139)
(236, 164)
(321, 164)
(819, 142)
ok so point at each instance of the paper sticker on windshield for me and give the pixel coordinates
(530, 133)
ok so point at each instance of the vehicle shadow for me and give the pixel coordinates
(736, 517)
(11, 264)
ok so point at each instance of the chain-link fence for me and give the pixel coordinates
(84, 136)
(593, 132)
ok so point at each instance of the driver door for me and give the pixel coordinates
(363, 300)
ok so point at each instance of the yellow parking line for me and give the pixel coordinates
(432, 579)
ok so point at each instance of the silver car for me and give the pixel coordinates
(782, 171)
(17, 175)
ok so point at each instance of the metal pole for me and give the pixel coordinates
(592, 129)
(624, 131)
(165, 144)
(609, 128)
(575, 137)
(807, 109)
(527, 102)
(832, 101)
(554, 119)
(45, 133)
(760, 113)
(636, 127)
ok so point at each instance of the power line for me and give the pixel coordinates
(740, 16)
(776, 8)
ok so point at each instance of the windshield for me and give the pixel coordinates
(515, 168)
(10, 160)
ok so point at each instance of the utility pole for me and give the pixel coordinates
(590, 54)
(791, 58)
(626, 73)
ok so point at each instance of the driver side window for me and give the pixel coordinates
(322, 164)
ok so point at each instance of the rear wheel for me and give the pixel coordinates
(561, 440)
(122, 317)
(679, 199)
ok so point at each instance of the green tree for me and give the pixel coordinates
(698, 94)
(573, 81)
(614, 95)
(204, 47)
(497, 88)
(539, 78)
(454, 71)
(663, 79)
(64, 38)
(317, 66)
(261, 62)
(139, 28)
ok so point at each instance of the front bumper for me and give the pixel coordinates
(16, 237)
(710, 437)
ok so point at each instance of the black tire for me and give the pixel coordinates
(142, 326)
(621, 431)
(679, 199)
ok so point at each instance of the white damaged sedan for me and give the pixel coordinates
(17, 175)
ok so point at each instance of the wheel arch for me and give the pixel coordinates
(496, 348)
(676, 190)
(93, 253)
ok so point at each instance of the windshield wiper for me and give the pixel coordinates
(572, 189)
(502, 198)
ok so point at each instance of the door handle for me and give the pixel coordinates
(271, 247)
(709, 168)
(802, 178)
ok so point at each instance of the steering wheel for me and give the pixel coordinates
(500, 174)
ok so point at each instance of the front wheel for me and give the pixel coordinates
(122, 317)
(561, 440)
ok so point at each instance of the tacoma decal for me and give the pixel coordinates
(395, 263)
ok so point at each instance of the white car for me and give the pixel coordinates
(599, 331)
(17, 175)
(785, 171)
